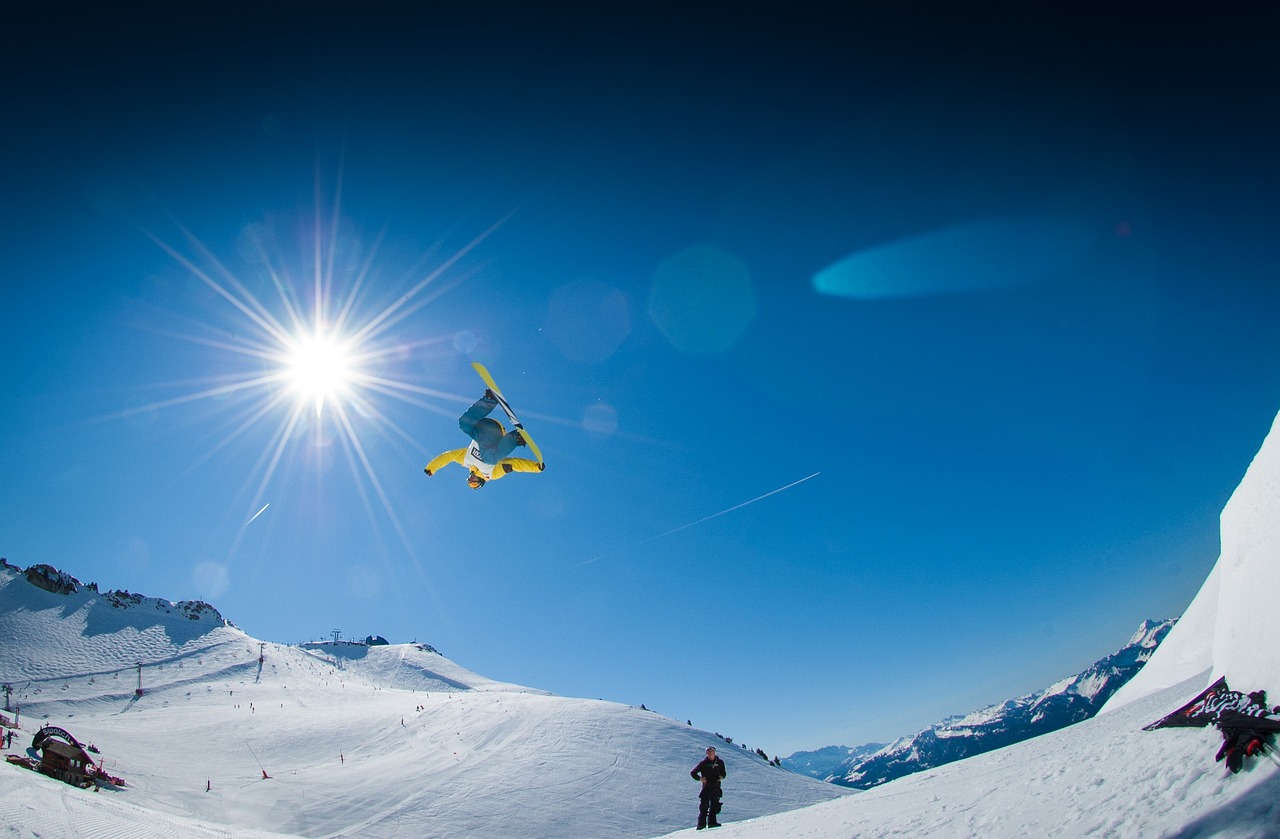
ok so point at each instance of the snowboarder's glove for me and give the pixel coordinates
(428, 471)
(541, 466)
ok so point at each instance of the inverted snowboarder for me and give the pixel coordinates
(488, 458)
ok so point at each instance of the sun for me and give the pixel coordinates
(319, 367)
(304, 359)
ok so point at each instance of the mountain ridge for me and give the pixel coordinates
(208, 724)
(957, 737)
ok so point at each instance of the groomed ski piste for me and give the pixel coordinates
(353, 740)
(400, 741)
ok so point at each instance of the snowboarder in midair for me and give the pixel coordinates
(487, 458)
(710, 772)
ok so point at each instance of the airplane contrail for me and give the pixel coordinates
(699, 521)
(255, 515)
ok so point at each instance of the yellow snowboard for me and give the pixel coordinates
(493, 386)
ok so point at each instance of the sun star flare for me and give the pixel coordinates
(319, 367)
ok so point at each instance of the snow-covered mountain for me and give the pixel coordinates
(1228, 629)
(1068, 701)
(1106, 776)
(823, 763)
(502, 762)
(219, 734)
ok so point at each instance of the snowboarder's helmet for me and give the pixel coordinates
(475, 480)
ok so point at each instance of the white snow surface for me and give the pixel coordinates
(358, 741)
(1224, 630)
(350, 753)
(1106, 777)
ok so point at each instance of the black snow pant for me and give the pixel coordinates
(708, 807)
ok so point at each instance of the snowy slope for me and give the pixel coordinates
(358, 741)
(1221, 631)
(1106, 776)
(1064, 703)
(502, 762)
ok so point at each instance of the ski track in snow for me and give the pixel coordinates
(399, 741)
(349, 757)
(383, 741)
(1105, 777)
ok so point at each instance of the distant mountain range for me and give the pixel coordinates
(955, 738)
(823, 763)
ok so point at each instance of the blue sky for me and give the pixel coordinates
(1005, 282)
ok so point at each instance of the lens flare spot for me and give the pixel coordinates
(588, 320)
(211, 579)
(600, 420)
(961, 259)
(702, 300)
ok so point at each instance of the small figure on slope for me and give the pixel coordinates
(487, 458)
(710, 772)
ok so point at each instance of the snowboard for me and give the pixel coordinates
(506, 407)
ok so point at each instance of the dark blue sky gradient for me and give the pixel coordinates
(1024, 442)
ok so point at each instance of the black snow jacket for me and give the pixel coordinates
(709, 771)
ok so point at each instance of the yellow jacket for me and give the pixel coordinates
(505, 466)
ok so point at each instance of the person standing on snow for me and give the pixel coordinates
(710, 772)
(486, 458)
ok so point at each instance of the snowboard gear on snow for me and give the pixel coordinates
(1246, 725)
(1208, 706)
